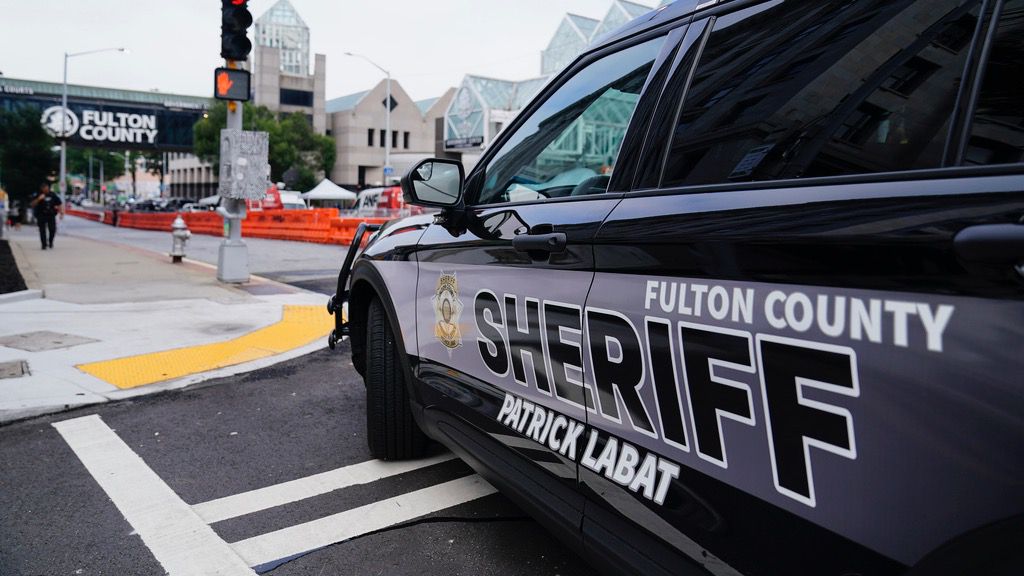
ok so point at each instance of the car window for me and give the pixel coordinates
(805, 88)
(997, 133)
(568, 146)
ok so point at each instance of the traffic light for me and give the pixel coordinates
(230, 84)
(235, 21)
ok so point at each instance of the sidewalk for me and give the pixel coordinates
(117, 321)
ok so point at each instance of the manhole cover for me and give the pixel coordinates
(43, 341)
(13, 369)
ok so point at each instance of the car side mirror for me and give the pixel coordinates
(434, 182)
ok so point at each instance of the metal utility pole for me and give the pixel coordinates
(64, 118)
(233, 256)
(387, 117)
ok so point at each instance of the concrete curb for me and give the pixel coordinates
(21, 296)
(28, 274)
(11, 416)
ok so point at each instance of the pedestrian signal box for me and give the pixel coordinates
(231, 84)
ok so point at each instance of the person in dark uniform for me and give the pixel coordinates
(45, 207)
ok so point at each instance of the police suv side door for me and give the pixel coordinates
(500, 293)
(806, 312)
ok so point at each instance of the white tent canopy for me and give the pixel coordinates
(327, 190)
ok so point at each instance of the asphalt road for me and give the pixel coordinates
(230, 436)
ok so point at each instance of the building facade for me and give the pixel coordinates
(280, 65)
(190, 177)
(282, 28)
(358, 125)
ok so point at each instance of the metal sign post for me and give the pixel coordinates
(244, 175)
(233, 255)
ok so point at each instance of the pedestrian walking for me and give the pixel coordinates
(45, 207)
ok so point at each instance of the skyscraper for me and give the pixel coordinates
(282, 80)
(281, 27)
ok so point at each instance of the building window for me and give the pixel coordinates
(405, 140)
(910, 75)
(394, 138)
(369, 137)
(956, 36)
(296, 98)
(382, 139)
(822, 120)
(862, 124)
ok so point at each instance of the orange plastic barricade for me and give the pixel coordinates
(321, 225)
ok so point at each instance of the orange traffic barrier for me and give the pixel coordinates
(95, 216)
(321, 226)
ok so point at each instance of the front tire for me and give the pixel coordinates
(391, 432)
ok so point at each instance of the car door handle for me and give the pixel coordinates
(552, 242)
(991, 243)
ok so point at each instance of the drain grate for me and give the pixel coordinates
(43, 341)
(13, 369)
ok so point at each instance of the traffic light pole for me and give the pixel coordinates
(233, 256)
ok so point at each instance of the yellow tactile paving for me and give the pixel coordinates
(299, 326)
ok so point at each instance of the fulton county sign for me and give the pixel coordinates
(98, 117)
(101, 126)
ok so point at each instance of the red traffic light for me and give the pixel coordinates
(231, 84)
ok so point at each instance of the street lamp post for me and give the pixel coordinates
(64, 117)
(387, 117)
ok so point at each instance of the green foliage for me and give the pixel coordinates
(293, 143)
(26, 152)
(155, 163)
(112, 162)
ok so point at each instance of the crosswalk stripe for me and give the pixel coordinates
(289, 542)
(295, 490)
(181, 541)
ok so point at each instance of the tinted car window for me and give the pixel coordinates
(568, 146)
(808, 88)
(997, 134)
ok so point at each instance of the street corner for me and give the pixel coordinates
(300, 329)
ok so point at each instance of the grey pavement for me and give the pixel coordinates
(298, 263)
(106, 301)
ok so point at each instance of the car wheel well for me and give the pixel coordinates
(358, 306)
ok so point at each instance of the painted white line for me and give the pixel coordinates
(179, 539)
(295, 540)
(295, 490)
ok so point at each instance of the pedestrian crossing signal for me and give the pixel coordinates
(231, 84)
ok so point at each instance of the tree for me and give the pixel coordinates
(206, 132)
(293, 143)
(112, 162)
(155, 165)
(26, 152)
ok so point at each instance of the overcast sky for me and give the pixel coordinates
(174, 44)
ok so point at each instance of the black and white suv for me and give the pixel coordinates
(740, 292)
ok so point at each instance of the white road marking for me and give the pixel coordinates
(179, 539)
(295, 490)
(310, 536)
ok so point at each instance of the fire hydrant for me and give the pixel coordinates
(179, 236)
